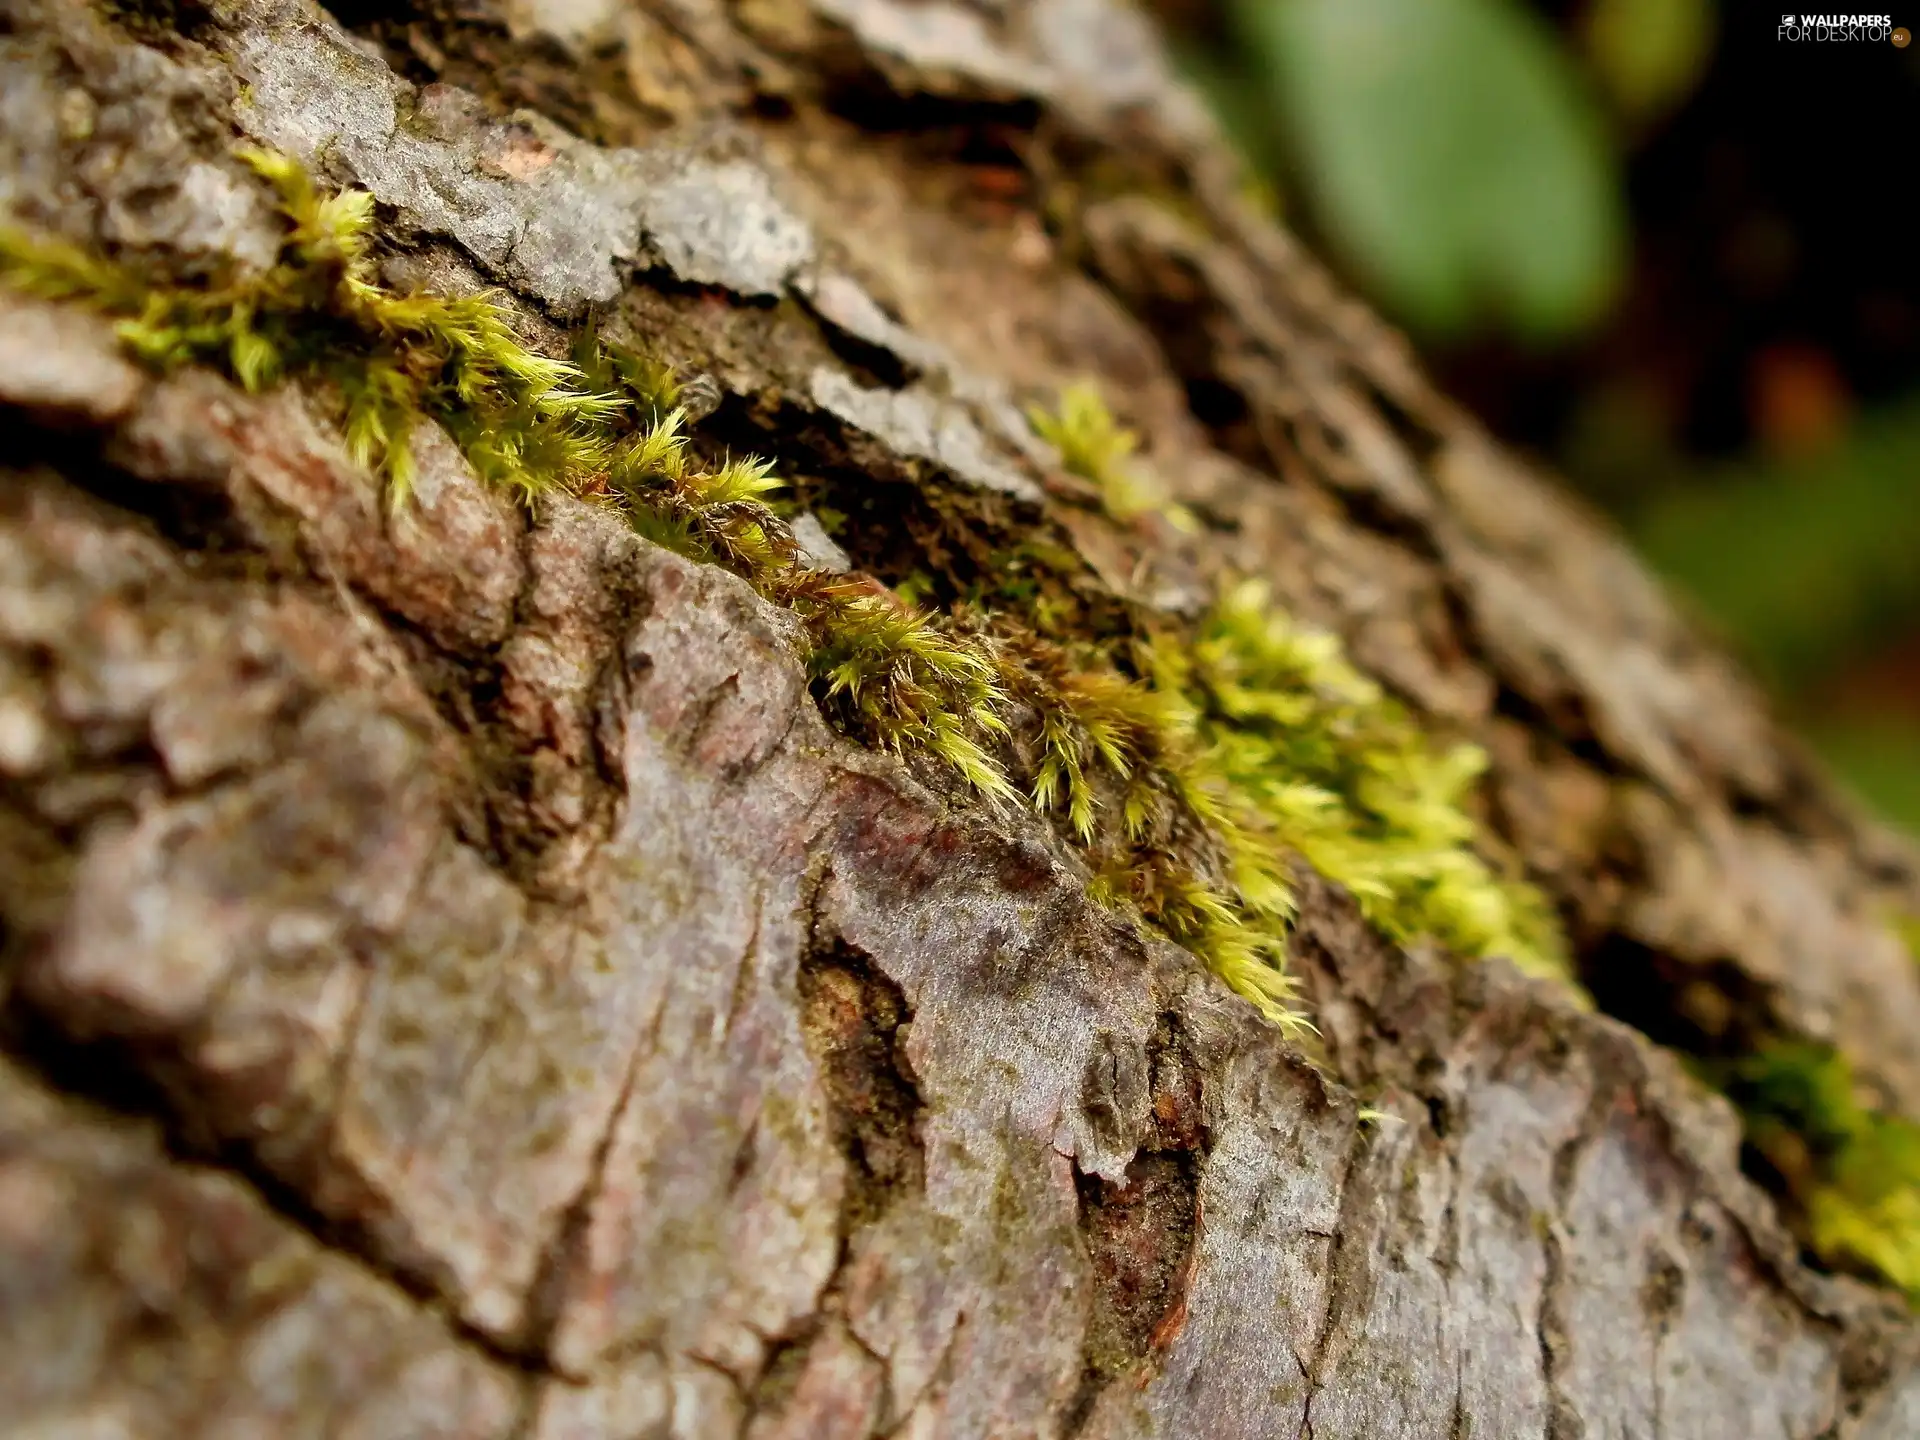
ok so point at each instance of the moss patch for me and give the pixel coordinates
(1849, 1171)
(319, 314)
(1093, 447)
(1300, 753)
(1190, 766)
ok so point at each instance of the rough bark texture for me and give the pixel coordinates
(458, 985)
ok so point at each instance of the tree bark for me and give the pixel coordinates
(457, 984)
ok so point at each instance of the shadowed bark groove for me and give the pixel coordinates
(457, 984)
(853, 1018)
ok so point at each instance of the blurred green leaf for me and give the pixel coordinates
(1803, 560)
(1648, 53)
(1451, 155)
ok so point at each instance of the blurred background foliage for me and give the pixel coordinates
(1665, 251)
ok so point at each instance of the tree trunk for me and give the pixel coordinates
(458, 983)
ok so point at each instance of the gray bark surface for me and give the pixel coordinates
(457, 984)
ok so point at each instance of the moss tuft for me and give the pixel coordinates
(1094, 447)
(1850, 1171)
(894, 674)
(1298, 752)
(526, 422)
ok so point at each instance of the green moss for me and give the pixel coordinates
(608, 369)
(1190, 768)
(1094, 447)
(1298, 752)
(1850, 1171)
(895, 675)
(319, 313)
(1264, 740)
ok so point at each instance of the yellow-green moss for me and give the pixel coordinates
(319, 312)
(1267, 736)
(1191, 769)
(1094, 447)
(1851, 1170)
(1297, 752)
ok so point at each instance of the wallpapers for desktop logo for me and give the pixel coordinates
(1841, 28)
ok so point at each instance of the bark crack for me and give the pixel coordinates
(547, 1297)
(1564, 1421)
(1345, 1227)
